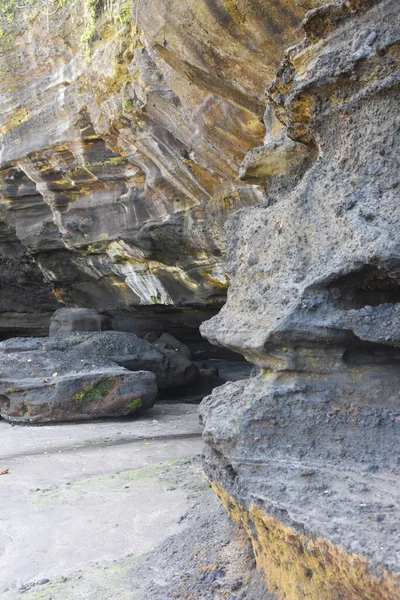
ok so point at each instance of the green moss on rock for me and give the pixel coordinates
(93, 391)
(134, 404)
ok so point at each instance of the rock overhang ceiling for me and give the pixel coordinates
(122, 129)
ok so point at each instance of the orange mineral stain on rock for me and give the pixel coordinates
(296, 566)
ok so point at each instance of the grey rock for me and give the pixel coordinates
(173, 344)
(171, 368)
(151, 337)
(84, 375)
(181, 371)
(371, 39)
(65, 320)
(74, 396)
(314, 305)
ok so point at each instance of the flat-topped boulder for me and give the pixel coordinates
(81, 375)
(78, 396)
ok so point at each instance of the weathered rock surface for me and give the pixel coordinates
(171, 343)
(171, 367)
(85, 375)
(305, 454)
(122, 127)
(129, 133)
(109, 392)
(66, 320)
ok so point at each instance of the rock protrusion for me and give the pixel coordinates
(303, 453)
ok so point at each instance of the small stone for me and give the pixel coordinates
(182, 518)
(372, 468)
(308, 473)
(371, 38)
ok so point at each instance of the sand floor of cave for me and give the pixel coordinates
(82, 500)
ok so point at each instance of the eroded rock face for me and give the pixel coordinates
(305, 453)
(122, 128)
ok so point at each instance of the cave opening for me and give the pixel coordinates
(215, 365)
(364, 353)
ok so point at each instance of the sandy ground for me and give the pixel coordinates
(117, 510)
(78, 495)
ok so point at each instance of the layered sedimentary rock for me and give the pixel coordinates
(129, 132)
(305, 453)
(122, 128)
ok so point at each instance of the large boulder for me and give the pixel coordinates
(129, 351)
(85, 375)
(171, 343)
(78, 396)
(181, 371)
(44, 382)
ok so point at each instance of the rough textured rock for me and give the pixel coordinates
(209, 559)
(305, 454)
(128, 134)
(85, 375)
(26, 302)
(122, 127)
(173, 344)
(40, 384)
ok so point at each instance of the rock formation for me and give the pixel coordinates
(129, 133)
(79, 375)
(122, 128)
(66, 320)
(305, 453)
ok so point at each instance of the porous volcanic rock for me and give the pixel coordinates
(122, 127)
(305, 453)
(79, 376)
